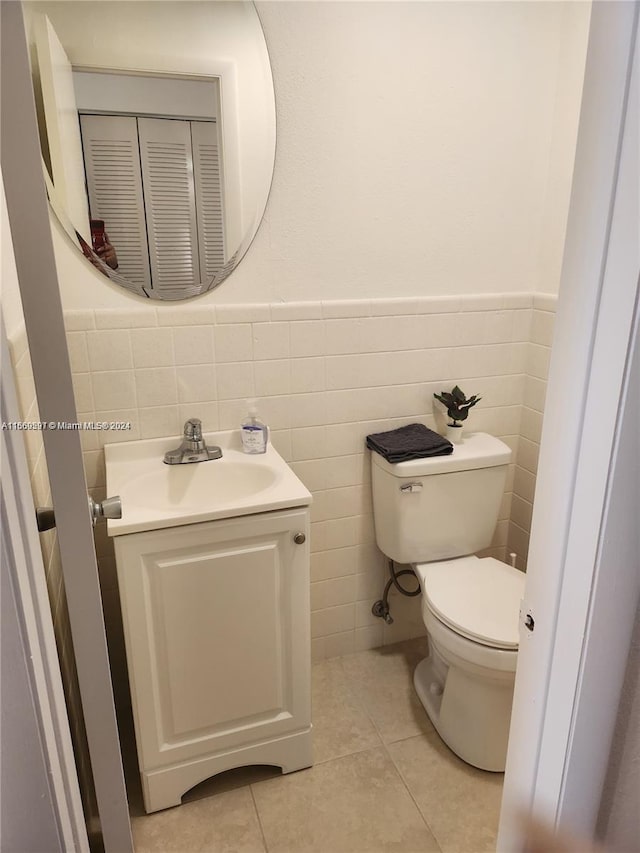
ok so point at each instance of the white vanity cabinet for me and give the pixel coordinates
(216, 622)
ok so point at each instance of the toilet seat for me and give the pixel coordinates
(478, 598)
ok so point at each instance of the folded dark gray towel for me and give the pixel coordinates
(414, 441)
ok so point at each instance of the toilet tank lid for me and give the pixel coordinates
(478, 450)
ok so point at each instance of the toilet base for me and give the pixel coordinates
(471, 714)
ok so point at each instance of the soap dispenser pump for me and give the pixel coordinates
(255, 434)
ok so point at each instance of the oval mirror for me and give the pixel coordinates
(157, 127)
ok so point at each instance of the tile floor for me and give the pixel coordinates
(382, 780)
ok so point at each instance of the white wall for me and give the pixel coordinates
(424, 148)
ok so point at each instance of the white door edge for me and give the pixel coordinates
(593, 336)
(614, 588)
(28, 579)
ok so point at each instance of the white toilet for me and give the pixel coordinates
(434, 514)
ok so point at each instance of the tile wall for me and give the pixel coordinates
(325, 374)
(526, 460)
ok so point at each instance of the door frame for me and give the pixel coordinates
(571, 667)
(28, 211)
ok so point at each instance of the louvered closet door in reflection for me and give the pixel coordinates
(114, 184)
(167, 177)
(208, 187)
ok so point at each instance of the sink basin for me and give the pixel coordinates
(155, 495)
(197, 485)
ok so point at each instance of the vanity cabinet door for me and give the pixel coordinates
(216, 620)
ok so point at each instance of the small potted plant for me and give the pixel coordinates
(457, 406)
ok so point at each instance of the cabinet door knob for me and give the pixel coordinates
(299, 538)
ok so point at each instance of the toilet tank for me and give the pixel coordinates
(440, 507)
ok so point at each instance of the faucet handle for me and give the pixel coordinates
(193, 429)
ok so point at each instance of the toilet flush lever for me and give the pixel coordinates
(411, 487)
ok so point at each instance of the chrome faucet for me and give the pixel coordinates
(193, 448)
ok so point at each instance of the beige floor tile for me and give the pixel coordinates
(226, 823)
(382, 681)
(460, 803)
(340, 725)
(356, 804)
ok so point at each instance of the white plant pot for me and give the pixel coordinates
(455, 433)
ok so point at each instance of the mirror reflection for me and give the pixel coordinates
(159, 158)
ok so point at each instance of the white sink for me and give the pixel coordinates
(155, 495)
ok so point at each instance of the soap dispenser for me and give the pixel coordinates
(255, 434)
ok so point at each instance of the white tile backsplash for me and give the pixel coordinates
(308, 374)
(542, 327)
(235, 380)
(326, 375)
(256, 313)
(109, 349)
(270, 340)
(307, 339)
(193, 345)
(273, 378)
(296, 311)
(184, 315)
(544, 302)
(233, 342)
(332, 309)
(78, 353)
(159, 421)
(152, 347)
(196, 383)
(83, 391)
(343, 336)
(156, 386)
(79, 320)
(114, 389)
(115, 318)
(208, 412)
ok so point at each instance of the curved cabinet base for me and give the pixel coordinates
(164, 788)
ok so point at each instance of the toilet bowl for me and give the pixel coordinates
(470, 609)
(434, 514)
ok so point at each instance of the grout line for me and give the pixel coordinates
(369, 748)
(408, 789)
(255, 806)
